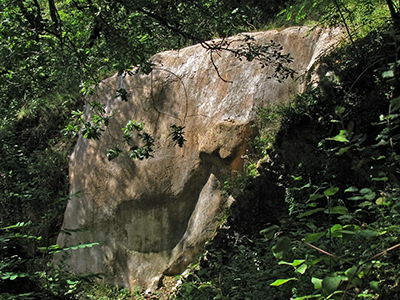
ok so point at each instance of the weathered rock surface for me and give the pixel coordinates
(152, 217)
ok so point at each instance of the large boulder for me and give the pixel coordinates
(152, 217)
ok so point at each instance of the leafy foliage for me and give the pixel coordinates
(25, 275)
(177, 134)
(345, 204)
(335, 156)
(338, 233)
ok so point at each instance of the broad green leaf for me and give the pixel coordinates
(317, 283)
(351, 271)
(281, 248)
(314, 197)
(351, 189)
(339, 210)
(341, 137)
(335, 228)
(313, 237)
(388, 74)
(331, 283)
(366, 191)
(382, 201)
(310, 212)
(279, 282)
(307, 185)
(367, 233)
(365, 204)
(302, 268)
(339, 110)
(356, 198)
(343, 150)
(331, 191)
(374, 285)
(295, 262)
(380, 178)
(348, 232)
(13, 277)
(269, 232)
(395, 103)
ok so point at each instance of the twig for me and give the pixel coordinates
(384, 252)
(322, 251)
(184, 90)
(216, 69)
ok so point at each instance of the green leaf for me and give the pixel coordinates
(351, 271)
(366, 191)
(307, 297)
(74, 247)
(331, 191)
(395, 103)
(281, 248)
(388, 74)
(295, 262)
(365, 204)
(270, 231)
(335, 228)
(339, 210)
(317, 283)
(113, 153)
(356, 198)
(341, 137)
(382, 201)
(313, 237)
(367, 233)
(343, 150)
(279, 282)
(18, 225)
(331, 283)
(302, 268)
(374, 285)
(314, 197)
(351, 189)
(368, 194)
(339, 110)
(310, 212)
(380, 178)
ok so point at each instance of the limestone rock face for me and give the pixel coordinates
(152, 217)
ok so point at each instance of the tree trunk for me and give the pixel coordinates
(394, 14)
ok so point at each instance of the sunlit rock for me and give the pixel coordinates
(152, 217)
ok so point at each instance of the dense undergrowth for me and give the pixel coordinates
(317, 210)
(333, 168)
